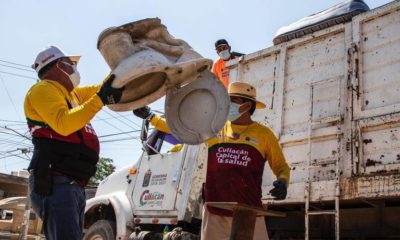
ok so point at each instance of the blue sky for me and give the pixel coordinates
(28, 26)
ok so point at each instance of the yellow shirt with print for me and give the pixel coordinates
(46, 102)
(269, 148)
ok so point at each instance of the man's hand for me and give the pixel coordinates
(279, 191)
(144, 113)
(108, 94)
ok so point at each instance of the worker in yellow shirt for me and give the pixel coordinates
(225, 54)
(236, 159)
(66, 148)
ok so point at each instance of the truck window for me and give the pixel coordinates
(161, 142)
(168, 143)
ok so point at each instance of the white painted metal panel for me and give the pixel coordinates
(157, 182)
(377, 78)
(320, 62)
(380, 147)
(262, 73)
(189, 201)
(377, 34)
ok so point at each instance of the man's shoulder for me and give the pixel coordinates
(43, 84)
(42, 87)
(219, 61)
(261, 128)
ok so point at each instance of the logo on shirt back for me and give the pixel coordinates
(227, 155)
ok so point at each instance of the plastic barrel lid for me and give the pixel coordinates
(197, 111)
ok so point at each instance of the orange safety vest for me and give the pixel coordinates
(220, 70)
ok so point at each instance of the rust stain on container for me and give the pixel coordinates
(371, 162)
(366, 141)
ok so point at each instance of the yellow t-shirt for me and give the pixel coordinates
(46, 102)
(268, 147)
(236, 159)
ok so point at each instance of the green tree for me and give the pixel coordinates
(105, 167)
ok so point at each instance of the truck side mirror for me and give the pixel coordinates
(151, 144)
(144, 131)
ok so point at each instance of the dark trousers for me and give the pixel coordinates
(63, 211)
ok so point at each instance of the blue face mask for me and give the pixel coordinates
(234, 113)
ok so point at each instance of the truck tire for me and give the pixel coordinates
(101, 230)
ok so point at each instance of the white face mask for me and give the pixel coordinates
(74, 77)
(225, 54)
(234, 113)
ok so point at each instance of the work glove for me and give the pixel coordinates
(279, 191)
(144, 113)
(108, 94)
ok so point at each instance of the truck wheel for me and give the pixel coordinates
(101, 230)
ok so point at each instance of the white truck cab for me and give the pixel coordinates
(159, 189)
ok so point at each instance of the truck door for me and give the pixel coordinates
(158, 175)
(375, 90)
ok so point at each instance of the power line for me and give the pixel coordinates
(6, 120)
(19, 126)
(18, 75)
(112, 125)
(22, 65)
(10, 134)
(24, 136)
(129, 120)
(121, 133)
(9, 96)
(23, 150)
(18, 135)
(17, 68)
(158, 111)
(11, 145)
(130, 126)
(120, 139)
(15, 155)
(102, 119)
(7, 142)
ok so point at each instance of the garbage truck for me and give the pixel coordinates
(331, 83)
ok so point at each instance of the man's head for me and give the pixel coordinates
(223, 49)
(243, 101)
(52, 63)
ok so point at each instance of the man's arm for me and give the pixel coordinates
(52, 107)
(84, 93)
(276, 159)
(158, 122)
(279, 167)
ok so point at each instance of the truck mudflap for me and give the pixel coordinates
(122, 208)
